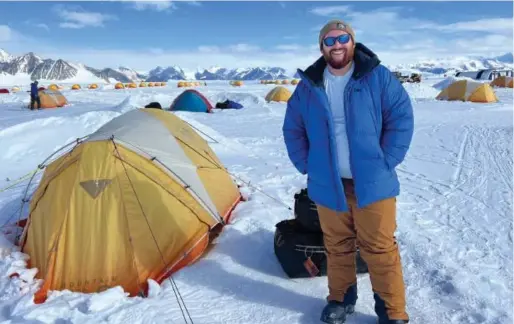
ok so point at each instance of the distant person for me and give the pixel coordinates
(154, 105)
(34, 96)
(348, 125)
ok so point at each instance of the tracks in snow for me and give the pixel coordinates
(458, 236)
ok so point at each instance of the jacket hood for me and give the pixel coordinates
(365, 61)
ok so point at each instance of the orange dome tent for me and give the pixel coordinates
(503, 82)
(119, 86)
(75, 87)
(148, 217)
(466, 90)
(51, 99)
(278, 94)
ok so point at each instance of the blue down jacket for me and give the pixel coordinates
(379, 123)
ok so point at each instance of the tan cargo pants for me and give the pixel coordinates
(372, 229)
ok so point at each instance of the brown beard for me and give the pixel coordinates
(348, 57)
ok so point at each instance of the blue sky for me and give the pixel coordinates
(144, 34)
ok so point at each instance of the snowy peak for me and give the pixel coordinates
(59, 70)
(132, 74)
(54, 70)
(255, 73)
(4, 56)
(23, 64)
(505, 58)
(459, 63)
(160, 74)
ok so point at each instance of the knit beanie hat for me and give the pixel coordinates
(335, 25)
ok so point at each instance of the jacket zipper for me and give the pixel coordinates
(332, 144)
(347, 91)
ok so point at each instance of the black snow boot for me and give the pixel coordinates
(380, 309)
(335, 311)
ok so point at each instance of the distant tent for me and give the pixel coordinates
(132, 85)
(93, 86)
(51, 99)
(466, 90)
(136, 200)
(75, 87)
(191, 100)
(285, 82)
(237, 83)
(294, 82)
(142, 85)
(503, 82)
(4, 91)
(150, 84)
(53, 87)
(278, 94)
(119, 86)
(15, 89)
(228, 104)
(154, 104)
(181, 84)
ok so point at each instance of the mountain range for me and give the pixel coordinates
(38, 68)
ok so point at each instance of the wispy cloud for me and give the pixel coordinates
(209, 49)
(235, 48)
(493, 25)
(38, 25)
(76, 17)
(193, 3)
(241, 48)
(330, 10)
(402, 37)
(290, 47)
(163, 5)
(5, 33)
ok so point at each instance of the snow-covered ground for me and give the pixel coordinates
(454, 214)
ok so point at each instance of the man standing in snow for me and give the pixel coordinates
(34, 95)
(348, 125)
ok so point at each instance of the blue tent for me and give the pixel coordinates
(229, 104)
(191, 100)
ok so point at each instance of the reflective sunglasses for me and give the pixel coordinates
(342, 39)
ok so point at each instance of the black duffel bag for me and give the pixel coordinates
(306, 212)
(301, 253)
